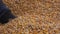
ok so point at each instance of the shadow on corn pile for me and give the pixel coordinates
(5, 13)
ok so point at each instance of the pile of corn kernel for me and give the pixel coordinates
(34, 17)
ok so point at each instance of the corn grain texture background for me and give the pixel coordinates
(33, 17)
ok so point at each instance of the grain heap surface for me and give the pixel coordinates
(33, 17)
